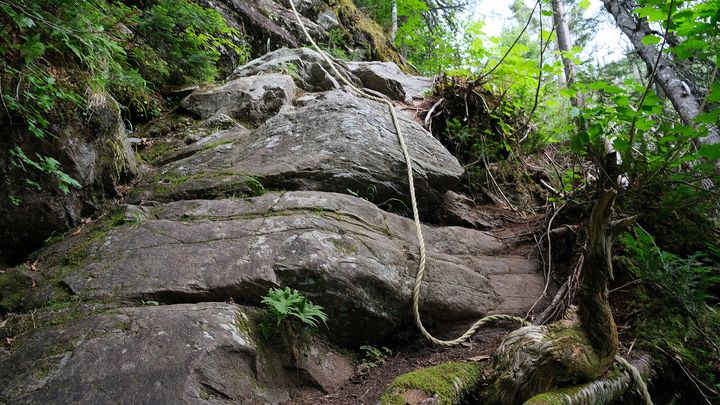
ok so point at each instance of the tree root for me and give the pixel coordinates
(598, 392)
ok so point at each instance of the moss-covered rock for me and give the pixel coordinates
(448, 383)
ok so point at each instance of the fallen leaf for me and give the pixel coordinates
(482, 357)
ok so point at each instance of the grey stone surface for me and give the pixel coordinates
(176, 354)
(388, 79)
(328, 20)
(347, 255)
(335, 142)
(458, 209)
(310, 71)
(248, 99)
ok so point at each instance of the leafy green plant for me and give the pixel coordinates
(186, 38)
(44, 164)
(373, 356)
(288, 304)
(679, 310)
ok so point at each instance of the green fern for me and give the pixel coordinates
(290, 303)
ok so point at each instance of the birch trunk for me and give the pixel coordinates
(565, 45)
(393, 29)
(666, 76)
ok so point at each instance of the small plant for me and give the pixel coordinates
(289, 304)
(374, 356)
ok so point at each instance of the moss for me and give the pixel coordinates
(556, 397)
(448, 381)
(343, 246)
(255, 186)
(215, 144)
(123, 326)
(375, 39)
(204, 395)
(156, 152)
(13, 284)
(242, 322)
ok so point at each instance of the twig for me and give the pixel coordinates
(624, 285)
(527, 24)
(549, 267)
(689, 375)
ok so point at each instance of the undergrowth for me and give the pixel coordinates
(60, 56)
(678, 302)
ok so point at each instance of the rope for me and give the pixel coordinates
(413, 201)
(418, 229)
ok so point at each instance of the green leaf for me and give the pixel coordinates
(623, 101)
(33, 48)
(24, 21)
(598, 85)
(644, 124)
(651, 13)
(651, 40)
(714, 94)
(584, 4)
(711, 152)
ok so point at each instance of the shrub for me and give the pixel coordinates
(679, 309)
(184, 40)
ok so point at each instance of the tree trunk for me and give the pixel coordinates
(565, 45)
(393, 29)
(667, 77)
(536, 359)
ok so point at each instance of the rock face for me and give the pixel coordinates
(139, 306)
(307, 67)
(249, 99)
(335, 142)
(388, 79)
(318, 243)
(174, 354)
(92, 148)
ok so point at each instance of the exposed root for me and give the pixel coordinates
(601, 391)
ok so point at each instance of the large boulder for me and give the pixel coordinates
(90, 146)
(177, 354)
(388, 79)
(347, 255)
(335, 142)
(248, 99)
(309, 69)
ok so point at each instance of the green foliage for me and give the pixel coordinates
(289, 303)
(54, 53)
(185, 39)
(373, 356)
(45, 165)
(679, 303)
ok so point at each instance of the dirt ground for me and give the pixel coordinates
(367, 388)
